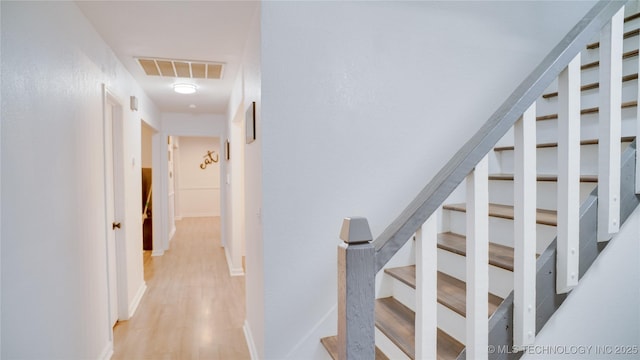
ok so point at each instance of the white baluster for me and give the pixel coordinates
(567, 259)
(426, 289)
(610, 118)
(477, 336)
(524, 264)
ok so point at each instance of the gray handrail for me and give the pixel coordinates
(455, 171)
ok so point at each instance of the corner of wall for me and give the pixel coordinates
(234, 270)
(133, 305)
(253, 351)
(107, 352)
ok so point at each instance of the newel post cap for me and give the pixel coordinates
(355, 230)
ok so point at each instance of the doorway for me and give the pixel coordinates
(114, 203)
(146, 165)
(197, 169)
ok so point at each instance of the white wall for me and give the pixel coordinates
(601, 317)
(362, 103)
(54, 284)
(199, 189)
(246, 176)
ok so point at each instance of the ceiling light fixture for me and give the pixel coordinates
(185, 88)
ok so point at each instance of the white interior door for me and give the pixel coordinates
(111, 216)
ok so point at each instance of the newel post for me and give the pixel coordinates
(356, 290)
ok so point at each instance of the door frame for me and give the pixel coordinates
(115, 144)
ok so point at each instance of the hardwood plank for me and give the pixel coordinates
(448, 347)
(632, 17)
(628, 34)
(555, 144)
(627, 55)
(544, 217)
(541, 177)
(331, 344)
(452, 293)
(193, 308)
(592, 86)
(397, 322)
(592, 110)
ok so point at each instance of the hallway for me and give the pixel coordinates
(192, 309)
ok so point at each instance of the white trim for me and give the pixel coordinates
(107, 352)
(114, 144)
(253, 352)
(157, 252)
(173, 232)
(233, 271)
(136, 299)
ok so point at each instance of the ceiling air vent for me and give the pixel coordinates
(181, 68)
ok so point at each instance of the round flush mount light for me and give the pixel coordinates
(185, 88)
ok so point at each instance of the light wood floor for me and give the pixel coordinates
(192, 308)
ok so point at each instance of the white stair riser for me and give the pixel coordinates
(547, 160)
(501, 192)
(501, 230)
(388, 347)
(591, 75)
(547, 129)
(500, 280)
(404, 257)
(452, 323)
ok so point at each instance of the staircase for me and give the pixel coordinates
(395, 306)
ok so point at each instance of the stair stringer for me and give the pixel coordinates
(548, 302)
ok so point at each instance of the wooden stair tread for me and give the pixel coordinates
(543, 217)
(397, 322)
(331, 344)
(452, 292)
(540, 177)
(628, 34)
(632, 17)
(499, 255)
(592, 110)
(627, 55)
(592, 86)
(555, 144)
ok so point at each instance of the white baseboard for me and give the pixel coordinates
(250, 343)
(233, 271)
(172, 233)
(157, 253)
(136, 300)
(107, 353)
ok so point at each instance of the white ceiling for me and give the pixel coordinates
(210, 31)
